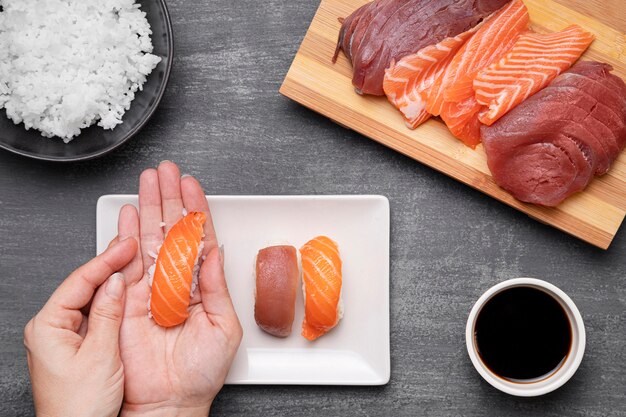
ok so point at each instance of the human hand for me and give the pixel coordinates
(177, 370)
(73, 359)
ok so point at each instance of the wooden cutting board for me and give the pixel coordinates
(594, 215)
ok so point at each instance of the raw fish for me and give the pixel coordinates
(410, 81)
(322, 279)
(175, 269)
(276, 285)
(534, 61)
(457, 105)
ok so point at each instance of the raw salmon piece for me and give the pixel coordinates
(494, 39)
(174, 271)
(387, 30)
(534, 61)
(453, 98)
(408, 82)
(461, 118)
(321, 277)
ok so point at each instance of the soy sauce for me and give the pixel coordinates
(523, 334)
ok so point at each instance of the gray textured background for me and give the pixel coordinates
(223, 120)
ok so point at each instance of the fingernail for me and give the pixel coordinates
(185, 176)
(115, 286)
(125, 239)
(164, 161)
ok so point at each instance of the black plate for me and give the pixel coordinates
(95, 141)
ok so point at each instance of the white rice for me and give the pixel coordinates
(67, 64)
(196, 269)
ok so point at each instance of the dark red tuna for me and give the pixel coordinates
(387, 30)
(550, 146)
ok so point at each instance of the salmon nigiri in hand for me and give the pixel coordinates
(174, 275)
(322, 280)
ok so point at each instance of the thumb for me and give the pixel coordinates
(213, 289)
(105, 316)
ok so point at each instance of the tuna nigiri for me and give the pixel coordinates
(534, 61)
(176, 269)
(322, 280)
(408, 82)
(454, 100)
(276, 284)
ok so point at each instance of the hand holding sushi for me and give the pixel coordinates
(119, 357)
(73, 357)
(170, 368)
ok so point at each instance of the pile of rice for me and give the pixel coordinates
(67, 64)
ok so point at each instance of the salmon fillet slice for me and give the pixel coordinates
(454, 100)
(322, 282)
(174, 270)
(531, 64)
(410, 81)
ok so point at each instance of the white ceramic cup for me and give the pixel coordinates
(541, 385)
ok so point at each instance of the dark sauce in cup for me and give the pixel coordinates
(523, 334)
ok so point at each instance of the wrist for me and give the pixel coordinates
(164, 410)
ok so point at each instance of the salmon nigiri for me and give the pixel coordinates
(408, 82)
(321, 277)
(176, 269)
(454, 100)
(534, 61)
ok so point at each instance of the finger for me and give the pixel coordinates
(137, 297)
(128, 227)
(115, 241)
(105, 317)
(85, 309)
(137, 289)
(196, 298)
(151, 233)
(171, 199)
(82, 329)
(216, 299)
(76, 291)
(195, 200)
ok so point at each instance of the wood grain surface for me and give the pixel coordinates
(313, 80)
(609, 12)
(223, 121)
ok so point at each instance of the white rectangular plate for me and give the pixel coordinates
(356, 352)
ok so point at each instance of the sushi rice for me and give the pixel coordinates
(67, 64)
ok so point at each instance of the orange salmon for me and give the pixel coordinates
(174, 270)
(454, 101)
(533, 62)
(408, 82)
(322, 279)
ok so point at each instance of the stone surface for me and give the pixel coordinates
(223, 121)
